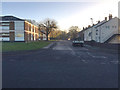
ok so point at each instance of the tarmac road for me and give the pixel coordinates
(62, 66)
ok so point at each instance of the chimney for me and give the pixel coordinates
(83, 28)
(89, 26)
(110, 16)
(99, 21)
(106, 18)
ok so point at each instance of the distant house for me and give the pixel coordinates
(81, 34)
(16, 29)
(106, 31)
(42, 35)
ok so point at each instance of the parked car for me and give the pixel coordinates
(77, 43)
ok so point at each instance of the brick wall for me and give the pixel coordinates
(29, 36)
(26, 26)
(28, 31)
(25, 36)
(12, 36)
(11, 25)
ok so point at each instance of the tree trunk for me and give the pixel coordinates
(47, 37)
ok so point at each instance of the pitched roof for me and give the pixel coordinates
(10, 18)
(43, 31)
(106, 22)
(100, 23)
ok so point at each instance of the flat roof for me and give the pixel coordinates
(10, 18)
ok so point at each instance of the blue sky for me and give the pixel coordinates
(41, 10)
(65, 13)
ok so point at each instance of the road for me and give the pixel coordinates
(62, 66)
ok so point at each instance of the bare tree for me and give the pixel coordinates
(73, 32)
(48, 26)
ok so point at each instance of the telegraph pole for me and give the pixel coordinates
(91, 21)
(91, 29)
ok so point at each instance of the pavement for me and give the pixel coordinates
(50, 45)
(61, 66)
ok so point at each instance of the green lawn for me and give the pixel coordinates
(54, 40)
(18, 46)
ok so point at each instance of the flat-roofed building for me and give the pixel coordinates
(16, 29)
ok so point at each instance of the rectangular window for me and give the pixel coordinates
(19, 25)
(31, 37)
(107, 27)
(4, 23)
(35, 37)
(4, 34)
(90, 33)
(4, 27)
(19, 36)
(32, 29)
(112, 26)
(29, 28)
(4, 39)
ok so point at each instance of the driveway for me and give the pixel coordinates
(62, 66)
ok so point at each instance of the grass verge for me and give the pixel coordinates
(19, 46)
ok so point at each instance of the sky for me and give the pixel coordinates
(66, 14)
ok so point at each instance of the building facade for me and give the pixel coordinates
(16, 29)
(106, 31)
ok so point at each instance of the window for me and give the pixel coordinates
(119, 38)
(107, 27)
(19, 36)
(4, 23)
(34, 29)
(35, 37)
(4, 34)
(112, 26)
(28, 36)
(31, 37)
(90, 33)
(19, 25)
(31, 29)
(4, 39)
(4, 27)
(28, 27)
